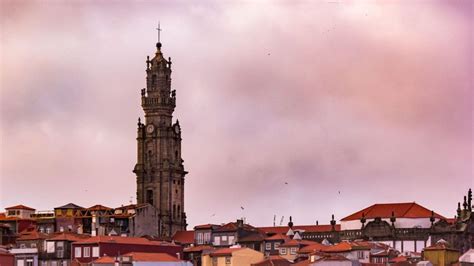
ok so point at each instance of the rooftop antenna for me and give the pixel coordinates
(281, 221)
(159, 30)
(274, 220)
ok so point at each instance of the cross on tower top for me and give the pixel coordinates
(159, 30)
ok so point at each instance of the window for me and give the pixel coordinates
(292, 251)
(33, 245)
(224, 238)
(77, 252)
(276, 245)
(268, 246)
(231, 240)
(149, 196)
(199, 238)
(283, 251)
(22, 246)
(227, 260)
(20, 262)
(179, 208)
(217, 240)
(29, 262)
(87, 252)
(360, 254)
(207, 237)
(11, 213)
(95, 252)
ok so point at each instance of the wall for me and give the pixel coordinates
(441, 257)
(245, 257)
(399, 223)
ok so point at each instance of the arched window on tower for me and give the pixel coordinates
(179, 211)
(149, 196)
(174, 210)
(153, 80)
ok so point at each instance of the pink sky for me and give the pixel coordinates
(372, 99)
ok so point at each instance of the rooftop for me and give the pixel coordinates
(400, 210)
(184, 237)
(20, 207)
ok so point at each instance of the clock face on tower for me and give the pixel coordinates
(176, 129)
(150, 128)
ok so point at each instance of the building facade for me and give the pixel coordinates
(159, 169)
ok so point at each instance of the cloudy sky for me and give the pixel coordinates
(349, 102)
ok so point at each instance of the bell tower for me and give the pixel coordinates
(159, 169)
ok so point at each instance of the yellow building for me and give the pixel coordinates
(232, 257)
(441, 254)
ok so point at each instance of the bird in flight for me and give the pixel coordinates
(241, 207)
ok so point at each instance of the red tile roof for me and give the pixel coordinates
(333, 257)
(121, 240)
(316, 247)
(440, 245)
(306, 228)
(198, 248)
(99, 207)
(340, 247)
(297, 243)
(152, 257)
(273, 261)
(66, 236)
(277, 237)
(20, 207)
(401, 210)
(184, 237)
(104, 260)
(32, 235)
(233, 227)
(254, 237)
(224, 252)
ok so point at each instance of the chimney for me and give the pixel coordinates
(240, 223)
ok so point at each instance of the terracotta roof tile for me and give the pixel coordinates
(440, 245)
(70, 206)
(233, 227)
(401, 210)
(198, 248)
(32, 235)
(316, 247)
(122, 240)
(297, 243)
(256, 237)
(184, 237)
(20, 207)
(224, 251)
(151, 257)
(340, 247)
(273, 261)
(277, 237)
(99, 207)
(333, 257)
(66, 236)
(104, 260)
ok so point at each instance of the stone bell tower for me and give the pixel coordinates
(159, 169)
